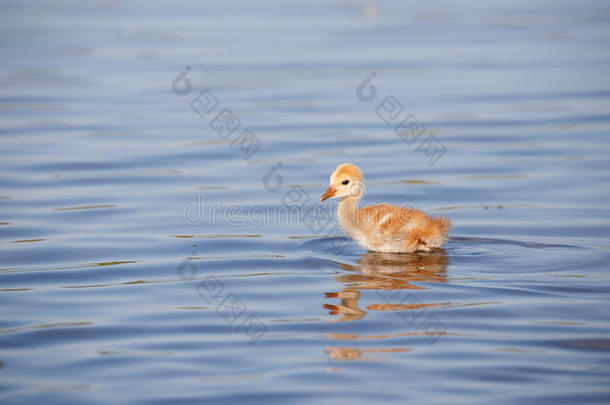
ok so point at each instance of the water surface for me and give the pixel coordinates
(145, 259)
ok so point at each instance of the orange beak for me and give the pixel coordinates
(328, 194)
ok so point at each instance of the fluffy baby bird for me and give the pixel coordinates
(382, 227)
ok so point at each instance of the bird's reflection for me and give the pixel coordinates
(353, 353)
(385, 271)
(394, 277)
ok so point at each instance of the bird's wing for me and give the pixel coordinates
(385, 219)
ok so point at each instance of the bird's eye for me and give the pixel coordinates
(345, 181)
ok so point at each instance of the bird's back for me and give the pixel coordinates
(389, 228)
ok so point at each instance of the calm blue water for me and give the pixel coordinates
(149, 254)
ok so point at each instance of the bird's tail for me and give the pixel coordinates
(442, 231)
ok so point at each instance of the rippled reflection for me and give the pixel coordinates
(386, 271)
(394, 276)
(353, 353)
